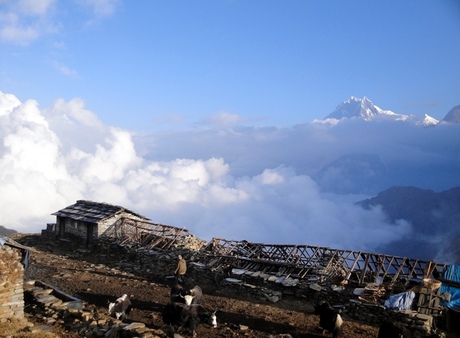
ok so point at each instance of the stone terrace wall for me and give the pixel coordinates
(375, 314)
(11, 284)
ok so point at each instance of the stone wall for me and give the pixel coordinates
(11, 284)
(74, 227)
(80, 228)
(375, 314)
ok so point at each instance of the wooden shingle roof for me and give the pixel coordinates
(92, 212)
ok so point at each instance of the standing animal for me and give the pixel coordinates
(193, 296)
(120, 307)
(177, 294)
(189, 316)
(329, 319)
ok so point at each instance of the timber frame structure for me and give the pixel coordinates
(142, 233)
(313, 262)
(304, 262)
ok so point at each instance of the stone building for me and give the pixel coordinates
(90, 220)
(13, 259)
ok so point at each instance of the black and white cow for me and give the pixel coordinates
(189, 316)
(119, 308)
(179, 294)
(329, 319)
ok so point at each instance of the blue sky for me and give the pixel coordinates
(165, 65)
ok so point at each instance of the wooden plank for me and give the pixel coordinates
(386, 271)
(363, 271)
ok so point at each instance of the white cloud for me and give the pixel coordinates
(18, 34)
(22, 22)
(223, 119)
(105, 164)
(74, 112)
(99, 8)
(8, 103)
(70, 120)
(241, 183)
(67, 71)
(271, 177)
(31, 166)
(35, 7)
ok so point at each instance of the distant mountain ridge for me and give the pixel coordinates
(5, 232)
(435, 217)
(370, 171)
(453, 116)
(365, 109)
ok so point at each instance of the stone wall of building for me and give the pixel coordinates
(11, 284)
(77, 228)
(80, 228)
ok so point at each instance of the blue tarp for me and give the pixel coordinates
(452, 273)
(401, 301)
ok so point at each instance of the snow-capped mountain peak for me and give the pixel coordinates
(356, 107)
(365, 109)
(427, 121)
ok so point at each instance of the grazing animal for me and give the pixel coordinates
(189, 316)
(329, 319)
(119, 308)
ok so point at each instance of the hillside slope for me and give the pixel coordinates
(434, 217)
(97, 278)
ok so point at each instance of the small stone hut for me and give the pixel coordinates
(89, 220)
(13, 259)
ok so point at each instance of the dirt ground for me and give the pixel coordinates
(96, 280)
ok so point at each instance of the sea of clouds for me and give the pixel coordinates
(226, 181)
